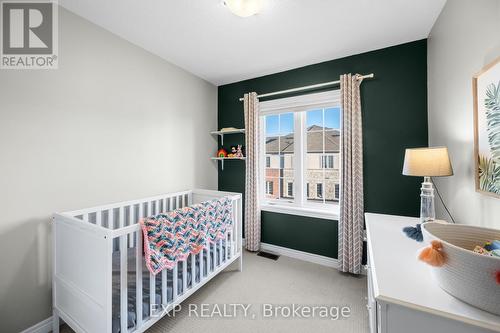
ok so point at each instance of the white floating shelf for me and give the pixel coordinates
(228, 158)
(235, 131)
(222, 159)
(221, 134)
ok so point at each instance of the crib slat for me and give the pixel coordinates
(131, 221)
(227, 247)
(164, 299)
(209, 259)
(235, 223)
(123, 282)
(152, 291)
(220, 251)
(193, 270)
(98, 218)
(111, 218)
(201, 263)
(184, 276)
(234, 229)
(175, 276)
(138, 272)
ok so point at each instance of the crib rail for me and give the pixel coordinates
(144, 298)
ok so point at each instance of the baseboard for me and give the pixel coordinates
(44, 326)
(301, 255)
(305, 256)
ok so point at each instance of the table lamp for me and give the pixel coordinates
(427, 163)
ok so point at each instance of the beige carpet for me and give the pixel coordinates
(283, 282)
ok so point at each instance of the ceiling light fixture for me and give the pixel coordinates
(244, 8)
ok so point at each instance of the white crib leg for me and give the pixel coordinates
(55, 322)
(240, 263)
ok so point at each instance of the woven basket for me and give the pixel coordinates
(468, 276)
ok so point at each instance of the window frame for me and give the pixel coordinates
(298, 105)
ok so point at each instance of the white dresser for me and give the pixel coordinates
(403, 296)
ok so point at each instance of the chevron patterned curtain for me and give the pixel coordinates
(252, 209)
(350, 238)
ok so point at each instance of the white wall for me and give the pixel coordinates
(114, 122)
(465, 37)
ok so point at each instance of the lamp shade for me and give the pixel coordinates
(427, 162)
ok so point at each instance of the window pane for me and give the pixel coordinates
(286, 123)
(272, 125)
(314, 177)
(272, 145)
(332, 141)
(280, 156)
(331, 191)
(332, 118)
(314, 120)
(272, 188)
(315, 142)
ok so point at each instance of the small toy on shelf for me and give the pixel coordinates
(222, 153)
(239, 151)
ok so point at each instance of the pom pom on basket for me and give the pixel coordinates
(414, 232)
(433, 254)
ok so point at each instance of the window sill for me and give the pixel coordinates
(332, 214)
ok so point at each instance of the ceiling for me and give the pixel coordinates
(204, 38)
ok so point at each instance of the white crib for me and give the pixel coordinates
(98, 258)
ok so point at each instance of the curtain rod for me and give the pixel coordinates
(314, 86)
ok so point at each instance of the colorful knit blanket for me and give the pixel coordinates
(170, 237)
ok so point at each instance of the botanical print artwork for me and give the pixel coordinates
(486, 87)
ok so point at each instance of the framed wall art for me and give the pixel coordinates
(486, 94)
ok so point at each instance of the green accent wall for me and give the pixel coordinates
(394, 107)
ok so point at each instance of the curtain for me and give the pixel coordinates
(252, 209)
(350, 238)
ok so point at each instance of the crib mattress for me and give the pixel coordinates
(131, 286)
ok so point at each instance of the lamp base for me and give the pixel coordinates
(427, 211)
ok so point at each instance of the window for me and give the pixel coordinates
(269, 188)
(290, 189)
(327, 161)
(319, 190)
(337, 191)
(300, 139)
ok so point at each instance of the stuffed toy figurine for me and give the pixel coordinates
(222, 153)
(239, 152)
